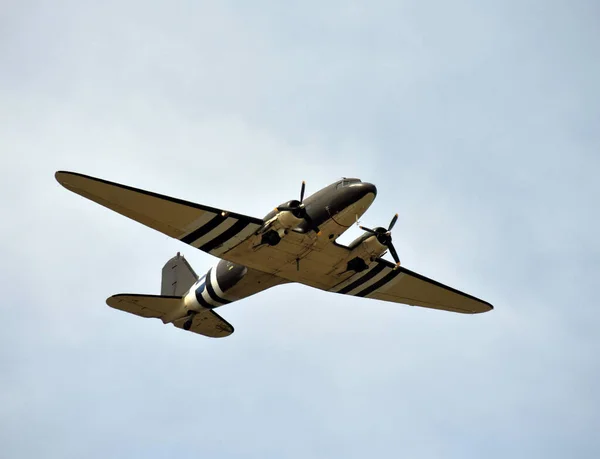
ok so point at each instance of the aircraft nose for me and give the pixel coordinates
(368, 188)
(357, 191)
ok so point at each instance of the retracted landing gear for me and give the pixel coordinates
(271, 237)
(188, 323)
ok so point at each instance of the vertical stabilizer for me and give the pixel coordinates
(177, 276)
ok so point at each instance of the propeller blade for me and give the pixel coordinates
(393, 222)
(302, 191)
(368, 230)
(284, 209)
(311, 224)
(393, 252)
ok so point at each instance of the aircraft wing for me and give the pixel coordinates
(224, 234)
(384, 281)
(211, 230)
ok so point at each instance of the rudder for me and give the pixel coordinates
(177, 276)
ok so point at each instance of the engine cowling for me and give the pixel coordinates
(367, 245)
(363, 250)
(287, 220)
(279, 222)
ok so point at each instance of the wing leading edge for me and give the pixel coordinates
(211, 230)
(383, 281)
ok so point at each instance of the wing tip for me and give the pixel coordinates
(59, 176)
(62, 177)
(487, 307)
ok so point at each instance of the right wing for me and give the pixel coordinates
(383, 281)
(211, 230)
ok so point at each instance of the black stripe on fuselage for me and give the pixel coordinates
(199, 232)
(358, 282)
(202, 301)
(380, 283)
(224, 236)
(211, 290)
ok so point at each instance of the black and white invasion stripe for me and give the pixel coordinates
(208, 293)
(367, 282)
(219, 233)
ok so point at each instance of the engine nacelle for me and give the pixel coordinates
(367, 245)
(277, 224)
(288, 220)
(363, 250)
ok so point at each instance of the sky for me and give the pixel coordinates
(478, 122)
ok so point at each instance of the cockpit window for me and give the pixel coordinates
(347, 181)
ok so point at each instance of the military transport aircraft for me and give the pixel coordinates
(296, 242)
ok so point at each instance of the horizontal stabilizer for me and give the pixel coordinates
(207, 323)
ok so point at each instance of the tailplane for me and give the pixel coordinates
(207, 322)
(177, 279)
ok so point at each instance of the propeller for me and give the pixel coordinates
(385, 237)
(299, 211)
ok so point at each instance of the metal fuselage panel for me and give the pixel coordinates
(341, 202)
(301, 256)
(228, 282)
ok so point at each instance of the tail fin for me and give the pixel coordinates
(207, 323)
(177, 277)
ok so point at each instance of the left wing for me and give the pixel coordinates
(211, 230)
(224, 234)
(384, 281)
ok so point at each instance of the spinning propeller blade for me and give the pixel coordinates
(368, 230)
(385, 237)
(393, 222)
(299, 210)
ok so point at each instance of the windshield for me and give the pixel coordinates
(347, 181)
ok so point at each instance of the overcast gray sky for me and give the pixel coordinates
(477, 120)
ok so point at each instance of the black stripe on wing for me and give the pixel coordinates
(361, 280)
(225, 236)
(380, 283)
(204, 229)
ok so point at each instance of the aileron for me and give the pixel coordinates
(388, 282)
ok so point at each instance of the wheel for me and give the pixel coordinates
(271, 237)
(188, 324)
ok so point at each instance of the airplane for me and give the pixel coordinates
(295, 242)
